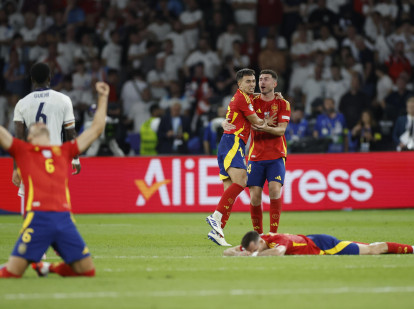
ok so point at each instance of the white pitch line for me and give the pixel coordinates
(204, 293)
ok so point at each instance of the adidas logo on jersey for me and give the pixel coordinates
(258, 111)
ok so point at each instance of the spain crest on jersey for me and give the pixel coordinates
(274, 108)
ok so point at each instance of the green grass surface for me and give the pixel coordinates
(166, 261)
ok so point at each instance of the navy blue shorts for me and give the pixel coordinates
(230, 153)
(42, 229)
(259, 171)
(332, 245)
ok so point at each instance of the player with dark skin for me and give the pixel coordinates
(39, 135)
(20, 129)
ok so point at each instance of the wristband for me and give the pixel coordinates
(75, 161)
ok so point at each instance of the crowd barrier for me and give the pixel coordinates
(191, 184)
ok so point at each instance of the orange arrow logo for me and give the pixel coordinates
(146, 191)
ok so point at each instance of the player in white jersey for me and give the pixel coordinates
(48, 106)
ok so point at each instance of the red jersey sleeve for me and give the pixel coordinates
(71, 149)
(245, 105)
(284, 111)
(17, 147)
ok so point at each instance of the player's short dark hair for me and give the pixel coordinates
(40, 72)
(248, 238)
(270, 72)
(244, 72)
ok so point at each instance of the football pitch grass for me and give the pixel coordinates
(166, 261)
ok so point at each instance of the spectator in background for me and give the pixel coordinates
(280, 40)
(204, 55)
(225, 41)
(148, 130)
(157, 79)
(239, 60)
(398, 62)
(191, 19)
(273, 59)
(39, 51)
(149, 59)
(86, 51)
(313, 89)
(269, 14)
(331, 124)
(173, 62)
(322, 16)
(403, 134)
(250, 47)
(244, 12)
(131, 92)
(213, 132)
(82, 79)
(298, 127)
(301, 44)
(73, 13)
(394, 104)
(179, 41)
(175, 94)
(140, 111)
(30, 31)
(326, 43)
(16, 19)
(97, 71)
(66, 49)
(43, 20)
(137, 48)
(337, 86)
(14, 75)
(173, 132)
(354, 102)
(111, 53)
(160, 28)
(300, 74)
(366, 133)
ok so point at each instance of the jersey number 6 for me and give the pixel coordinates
(40, 115)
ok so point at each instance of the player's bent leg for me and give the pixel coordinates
(83, 267)
(256, 212)
(14, 268)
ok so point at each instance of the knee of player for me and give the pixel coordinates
(378, 248)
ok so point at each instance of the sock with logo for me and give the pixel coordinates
(274, 212)
(397, 248)
(227, 200)
(4, 273)
(65, 270)
(256, 214)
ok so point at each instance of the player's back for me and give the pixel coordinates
(239, 108)
(48, 106)
(295, 244)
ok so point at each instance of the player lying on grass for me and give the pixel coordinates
(253, 244)
(48, 220)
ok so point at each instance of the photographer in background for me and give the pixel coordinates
(403, 134)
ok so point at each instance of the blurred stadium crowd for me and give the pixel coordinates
(345, 66)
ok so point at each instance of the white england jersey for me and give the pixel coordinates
(48, 106)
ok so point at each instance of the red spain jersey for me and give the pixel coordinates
(295, 244)
(44, 171)
(241, 106)
(265, 146)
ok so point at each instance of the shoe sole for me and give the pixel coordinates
(214, 228)
(213, 240)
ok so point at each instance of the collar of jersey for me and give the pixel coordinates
(41, 89)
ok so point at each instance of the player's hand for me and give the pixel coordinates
(76, 166)
(227, 126)
(260, 127)
(271, 121)
(16, 178)
(102, 88)
(278, 96)
(245, 253)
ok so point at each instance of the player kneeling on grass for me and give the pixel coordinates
(48, 221)
(253, 244)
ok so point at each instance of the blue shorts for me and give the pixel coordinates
(331, 245)
(259, 171)
(42, 229)
(230, 152)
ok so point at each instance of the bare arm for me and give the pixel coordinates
(6, 139)
(70, 134)
(235, 251)
(98, 125)
(19, 128)
(277, 131)
(254, 119)
(279, 251)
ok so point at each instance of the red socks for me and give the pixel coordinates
(65, 270)
(227, 201)
(4, 273)
(275, 210)
(397, 248)
(256, 214)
